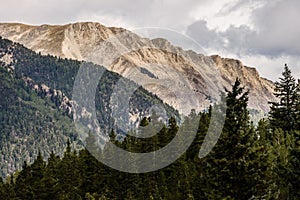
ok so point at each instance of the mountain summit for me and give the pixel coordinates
(183, 79)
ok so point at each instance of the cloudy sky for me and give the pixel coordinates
(261, 33)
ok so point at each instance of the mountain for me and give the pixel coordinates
(183, 79)
(36, 106)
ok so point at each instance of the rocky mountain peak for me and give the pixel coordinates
(184, 79)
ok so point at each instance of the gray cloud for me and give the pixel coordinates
(237, 5)
(204, 36)
(274, 35)
(276, 32)
(278, 28)
(166, 13)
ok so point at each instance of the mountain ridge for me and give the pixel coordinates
(128, 54)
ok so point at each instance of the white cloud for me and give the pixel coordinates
(272, 68)
(165, 13)
(267, 42)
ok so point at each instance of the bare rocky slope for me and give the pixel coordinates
(183, 79)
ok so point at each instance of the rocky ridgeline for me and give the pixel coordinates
(183, 79)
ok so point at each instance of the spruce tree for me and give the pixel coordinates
(51, 178)
(69, 175)
(23, 188)
(283, 114)
(295, 165)
(285, 121)
(238, 166)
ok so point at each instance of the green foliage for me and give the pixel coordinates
(247, 162)
(284, 120)
(28, 123)
(285, 114)
(60, 74)
(30, 119)
(239, 166)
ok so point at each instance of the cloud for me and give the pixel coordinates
(277, 28)
(165, 13)
(272, 67)
(272, 35)
(275, 32)
(203, 35)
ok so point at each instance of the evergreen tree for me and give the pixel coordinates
(297, 109)
(237, 115)
(90, 176)
(51, 178)
(193, 151)
(237, 167)
(37, 176)
(282, 145)
(69, 175)
(22, 187)
(173, 127)
(285, 122)
(263, 131)
(295, 165)
(7, 190)
(283, 114)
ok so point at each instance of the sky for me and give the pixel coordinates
(264, 34)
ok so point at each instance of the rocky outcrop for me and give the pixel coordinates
(261, 89)
(183, 79)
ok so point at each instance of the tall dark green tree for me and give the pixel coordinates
(285, 121)
(37, 176)
(237, 167)
(69, 175)
(22, 188)
(283, 114)
(51, 177)
(295, 165)
(237, 115)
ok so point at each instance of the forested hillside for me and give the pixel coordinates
(28, 124)
(247, 162)
(36, 110)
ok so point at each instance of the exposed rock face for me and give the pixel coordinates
(184, 79)
(261, 89)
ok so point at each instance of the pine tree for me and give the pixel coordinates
(37, 176)
(285, 121)
(2, 191)
(283, 114)
(23, 187)
(90, 175)
(237, 167)
(7, 190)
(193, 151)
(297, 107)
(68, 183)
(295, 165)
(237, 115)
(51, 177)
